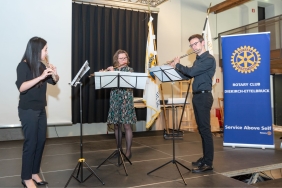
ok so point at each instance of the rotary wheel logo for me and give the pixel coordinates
(245, 59)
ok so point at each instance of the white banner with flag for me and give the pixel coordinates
(208, 44)
(151, 95)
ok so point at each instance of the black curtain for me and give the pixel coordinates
(97, 33)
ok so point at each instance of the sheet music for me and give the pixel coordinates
(165, 73)
(141, 80)
(127, 80)
(85, 67)
(171, 72)
(106, 79)
(134, 80)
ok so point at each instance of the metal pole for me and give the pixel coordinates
(81, 145)
(173, 123)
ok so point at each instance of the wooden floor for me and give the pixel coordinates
(150, 150)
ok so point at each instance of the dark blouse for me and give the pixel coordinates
(35, 97)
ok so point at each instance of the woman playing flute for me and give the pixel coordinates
(122, 110)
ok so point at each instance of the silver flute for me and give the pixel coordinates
(169, 62)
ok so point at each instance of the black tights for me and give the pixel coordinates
(128, 137)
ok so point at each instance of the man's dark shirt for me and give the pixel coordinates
(202, 70)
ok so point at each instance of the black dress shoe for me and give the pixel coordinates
(40, 183)
(202, 168)
(198, 162)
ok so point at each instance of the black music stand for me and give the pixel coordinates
(166, 73)
(118, 79)
(81, 160)
(179, 133)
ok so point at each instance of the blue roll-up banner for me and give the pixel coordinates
(247, 103)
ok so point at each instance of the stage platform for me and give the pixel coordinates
(149, 151)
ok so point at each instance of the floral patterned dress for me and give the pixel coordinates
(122, 109)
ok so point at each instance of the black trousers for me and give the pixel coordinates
(202, 104)
(34, 126)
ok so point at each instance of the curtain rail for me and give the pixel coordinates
(119, 5)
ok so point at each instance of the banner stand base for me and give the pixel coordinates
(233, 145)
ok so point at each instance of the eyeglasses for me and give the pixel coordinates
(194, 44)
(122, 58)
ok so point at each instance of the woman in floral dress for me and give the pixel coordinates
(122, 110)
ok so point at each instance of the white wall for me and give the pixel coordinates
(20, 21)
(169, 35)
(178, 19)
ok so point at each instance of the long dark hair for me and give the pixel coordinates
(32, 55)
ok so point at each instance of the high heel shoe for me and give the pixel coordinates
(40, 183)
(24, 184)
(129, 157)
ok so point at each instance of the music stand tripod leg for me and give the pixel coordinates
(174, 161)
(126, 157)
(183, 165)
(122, 161)
(72, 175)
(92, 173)
(79, 168)
(114, 153)
(81, 161)
(120, 153)
(159, 167)
(180, 173)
